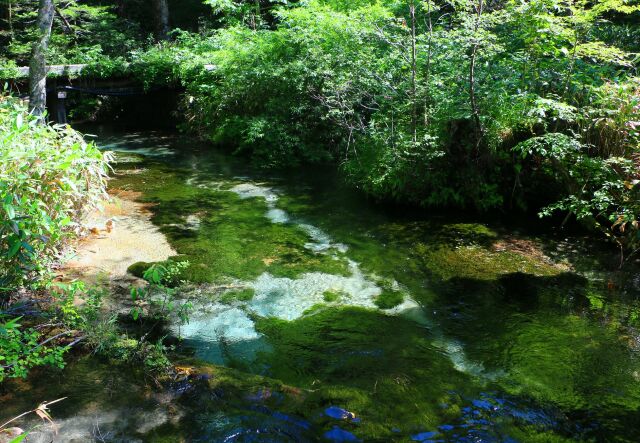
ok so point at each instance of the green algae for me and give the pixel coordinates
(318, 307)
(567, 361)
(516, 313)
(477, 262)
(232, 296)
(389, 299)
(334, 358)
(234, 239)
(412, 252)
(335, 353)
(331, 296)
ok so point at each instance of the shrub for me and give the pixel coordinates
(50, 177)
(23, 348)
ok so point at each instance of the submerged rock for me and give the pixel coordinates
(338, 435)
(339, 413)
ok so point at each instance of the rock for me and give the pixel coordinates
(339, 413)
(338, 435)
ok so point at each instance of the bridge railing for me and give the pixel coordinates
(74, 70)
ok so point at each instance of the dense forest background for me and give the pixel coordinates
(472, 104)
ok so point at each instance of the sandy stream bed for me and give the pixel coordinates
(106, 254)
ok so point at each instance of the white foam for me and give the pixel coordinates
(250, 190)
(220, 322)
(277, 215)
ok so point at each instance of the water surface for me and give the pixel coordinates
(329, 318)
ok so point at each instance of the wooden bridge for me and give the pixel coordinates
(55, 70)
(71, 70)
(60, 81)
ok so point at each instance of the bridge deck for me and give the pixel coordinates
(67, 70)
(59, 70)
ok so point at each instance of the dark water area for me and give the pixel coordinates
(343, 320)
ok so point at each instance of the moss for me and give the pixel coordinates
(123, 349)
(245, 294)
(414, 251)
(332, 296)
(389, 299)
(568, 361)
(314, 309)
(535, 435)
(139, 268)
(477, 262)
(510, 311)
(175, 265)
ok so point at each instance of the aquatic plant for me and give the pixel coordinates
(163, 301)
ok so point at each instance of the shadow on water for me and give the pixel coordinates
(554, 341)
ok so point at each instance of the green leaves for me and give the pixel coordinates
(22, 349)
(160, 295)
(9, 211)
(599, 191)
(48, 177)
(14, 247)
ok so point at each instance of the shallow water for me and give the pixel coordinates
(351, 322)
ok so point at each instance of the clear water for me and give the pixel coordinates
(356, 322)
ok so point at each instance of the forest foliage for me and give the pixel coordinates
(50, 177)
(470, 104)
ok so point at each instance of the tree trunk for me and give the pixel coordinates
(11, 33)
(162, 19)
(427, 79)
(414, 105)
(475, 113)
(38, 63)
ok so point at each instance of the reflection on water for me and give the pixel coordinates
(359, 325)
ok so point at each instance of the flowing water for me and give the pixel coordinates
(319, 316)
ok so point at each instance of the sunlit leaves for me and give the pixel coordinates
(49, 176)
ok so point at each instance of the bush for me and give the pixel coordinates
(24, 348)
(50, 177)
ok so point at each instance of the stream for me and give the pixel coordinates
(321, 316)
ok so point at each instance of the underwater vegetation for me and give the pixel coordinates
(329, 319)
